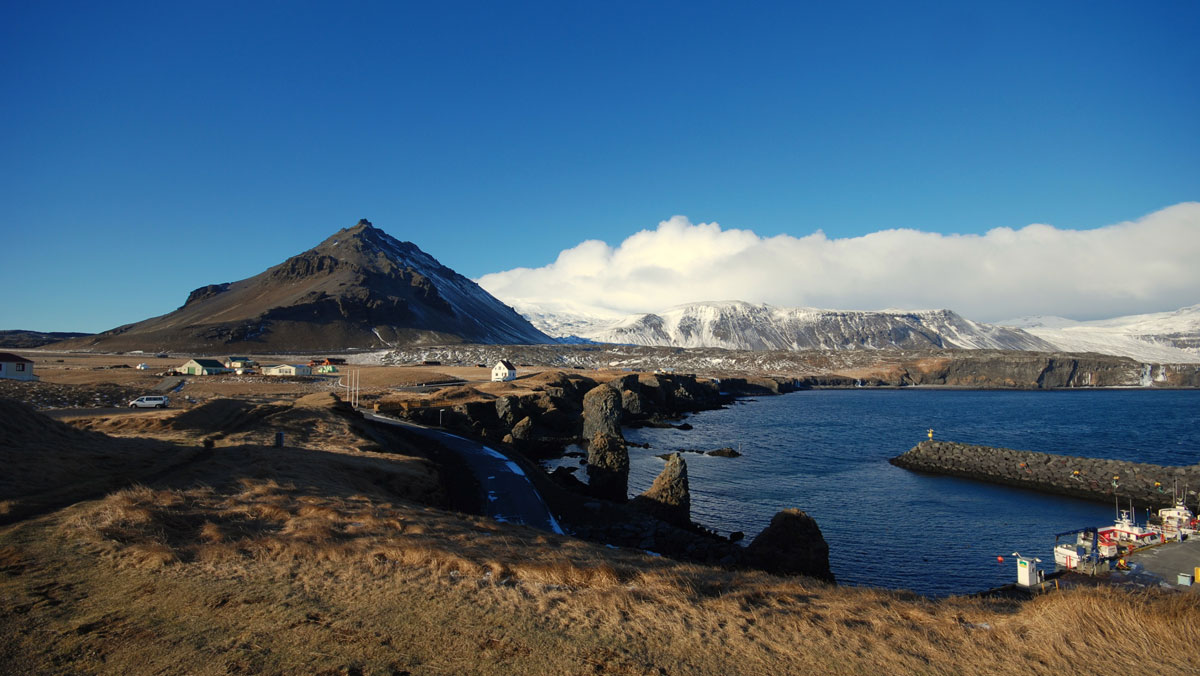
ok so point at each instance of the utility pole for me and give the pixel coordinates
(352, 387)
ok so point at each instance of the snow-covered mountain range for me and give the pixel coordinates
(1158, 337)
(1167, 337)
(747, 326)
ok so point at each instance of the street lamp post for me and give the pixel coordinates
(440, 412)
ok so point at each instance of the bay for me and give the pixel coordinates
(826, 452)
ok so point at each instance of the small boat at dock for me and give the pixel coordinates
(1094, 549)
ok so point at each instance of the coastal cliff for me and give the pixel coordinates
(564, 409)
(1012, 370)
(1090, 478)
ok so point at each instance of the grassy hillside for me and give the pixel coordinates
(335, 558)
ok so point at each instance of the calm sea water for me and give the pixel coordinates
(826, 452)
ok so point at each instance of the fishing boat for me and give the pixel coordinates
(1129, 536)
(1083, 548)
(1177, 522)
(1094, 547)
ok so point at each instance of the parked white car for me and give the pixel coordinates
(150, 402)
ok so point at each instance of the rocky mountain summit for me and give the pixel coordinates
(737, 325)
(359, 289)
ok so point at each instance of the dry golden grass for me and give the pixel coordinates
(396, 586)
(250, 559)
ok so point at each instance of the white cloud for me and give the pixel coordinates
(1145, 265)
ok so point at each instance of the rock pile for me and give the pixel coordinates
(1091, 478)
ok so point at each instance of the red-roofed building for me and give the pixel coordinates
(15, 367)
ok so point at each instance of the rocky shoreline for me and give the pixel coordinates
(990, 369)
(571, 409)
(1089, 478)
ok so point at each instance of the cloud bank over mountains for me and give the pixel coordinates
(1149, 264)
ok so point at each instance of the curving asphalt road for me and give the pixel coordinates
(510, 495)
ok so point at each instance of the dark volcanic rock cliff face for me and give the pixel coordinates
(1090, 478)
(570, 409)
(361, 288)
(602, 407)
(1023, 370)
(608, 467)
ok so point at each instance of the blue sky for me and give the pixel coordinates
(151, 148)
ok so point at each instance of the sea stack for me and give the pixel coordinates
(668, 498)
(608, 467)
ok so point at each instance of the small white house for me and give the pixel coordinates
(203, 367)
(503, 371)
(14, 367)
(239, 363)
(287, 370)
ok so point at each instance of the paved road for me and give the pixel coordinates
(510, 495)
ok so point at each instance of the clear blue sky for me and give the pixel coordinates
(151, 148)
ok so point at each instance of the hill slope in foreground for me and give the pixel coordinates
(359, 289)
(333, 557)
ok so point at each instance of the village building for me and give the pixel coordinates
(287, 370)
(239, 362)
(503, 371)
(327, 361)
(203, 367)
(16, 367)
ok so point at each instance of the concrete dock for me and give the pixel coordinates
(1166, 562)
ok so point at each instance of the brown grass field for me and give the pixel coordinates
(130, 548)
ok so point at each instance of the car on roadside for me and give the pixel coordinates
(150, 401)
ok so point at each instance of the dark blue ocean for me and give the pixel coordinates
(826, 452)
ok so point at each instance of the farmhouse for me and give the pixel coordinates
(503, 370)
(202, 367)
(239, 362)
(287, 370)
(14, 367)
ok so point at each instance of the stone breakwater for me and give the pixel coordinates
(1089, 478)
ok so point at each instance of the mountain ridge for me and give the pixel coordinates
(1172, 336)
(360, 288)
(748, 326)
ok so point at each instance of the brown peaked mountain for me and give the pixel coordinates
(361, 289)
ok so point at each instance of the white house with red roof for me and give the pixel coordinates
(16, 367)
